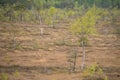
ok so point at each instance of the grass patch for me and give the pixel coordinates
(65, 43)
(4, 76)
(94, 72)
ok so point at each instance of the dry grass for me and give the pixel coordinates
(39, 58)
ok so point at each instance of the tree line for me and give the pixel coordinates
(40, 10)
(60, 3)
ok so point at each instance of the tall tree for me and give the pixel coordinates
(85, 26)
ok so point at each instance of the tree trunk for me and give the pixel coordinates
(41, 31)
(40, 20)
(21, 18)
(74, 64)
(53, 22)
(83, 55)
(13, 40)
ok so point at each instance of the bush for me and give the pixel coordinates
(3, 76)
(94, 72)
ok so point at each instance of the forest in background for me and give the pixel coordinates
(38, 11)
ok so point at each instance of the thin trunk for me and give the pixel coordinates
(83, 54)
(21, 18)
(41, 31)
(40, 20)
(36, 16)
(70, 69)
(74, 66)
(53, 22)
(14, 43)
(39, 17)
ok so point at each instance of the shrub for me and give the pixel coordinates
(94, 72)
(16, 73)
(4, 76)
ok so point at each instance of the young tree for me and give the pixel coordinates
(38, 6)
(84, 26)
(51, 17)
(72, 59)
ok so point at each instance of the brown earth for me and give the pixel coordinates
(45, 57)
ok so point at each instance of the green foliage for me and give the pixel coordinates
(89, 71)
(50, 18)
(84, 26)
(16, 73)
(70, 13)
(85, 41)
(38, 4)
(94, 72)
(48, 21)
(61, 16)
(110, 16)
(1, 13)
(86, 23)
(61, 3)
(52, 11)
(3, 76)
(114, 15)
(29, 9)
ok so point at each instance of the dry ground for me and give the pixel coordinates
(45, 57)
